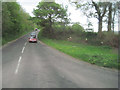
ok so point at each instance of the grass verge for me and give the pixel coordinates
(99, 55)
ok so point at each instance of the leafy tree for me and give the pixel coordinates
(106, 10)
(47, 13)
(14, 21)
(93, 9)
(77, 27)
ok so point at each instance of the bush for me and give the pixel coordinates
(110, 39)
(78, 35)
(77, 27)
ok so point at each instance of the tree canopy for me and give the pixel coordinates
(103, 11)
(14, 21)
(77, 27)
(48, 13)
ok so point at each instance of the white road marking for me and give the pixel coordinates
(25, 43)
(19, 59)
(23, 49)
(16, 71)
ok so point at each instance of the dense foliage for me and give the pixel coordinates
(15, 21)
(49, 13)
(53, 19)
(77, 34)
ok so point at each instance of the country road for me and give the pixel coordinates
(35, 65)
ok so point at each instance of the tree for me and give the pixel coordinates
(101, 10)
(93, 9)
(115, 9)
(14, 21)
(77, 27)
(47, 13)
(111, 15)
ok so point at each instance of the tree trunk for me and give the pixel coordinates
(50, 27)
(113, 20)
(50, 23)
(100, 27)
(110, 17)
(100, 17)
(113, 26)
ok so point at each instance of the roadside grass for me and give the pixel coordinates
(99, 55)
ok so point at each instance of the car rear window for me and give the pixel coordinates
(32, 37)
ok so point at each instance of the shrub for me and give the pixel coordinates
(77, 27)
(110, 39)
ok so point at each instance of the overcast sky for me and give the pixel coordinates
(76, 15)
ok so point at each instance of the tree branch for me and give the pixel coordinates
(96, 7)
(104, 11)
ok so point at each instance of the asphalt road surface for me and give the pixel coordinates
(35, 65)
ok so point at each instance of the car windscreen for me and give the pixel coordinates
(32, 37)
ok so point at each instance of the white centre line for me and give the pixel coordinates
(19, 59)
(23, 49)
(16, 71)
(25, 43)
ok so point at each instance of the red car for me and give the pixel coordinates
(33, 39)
